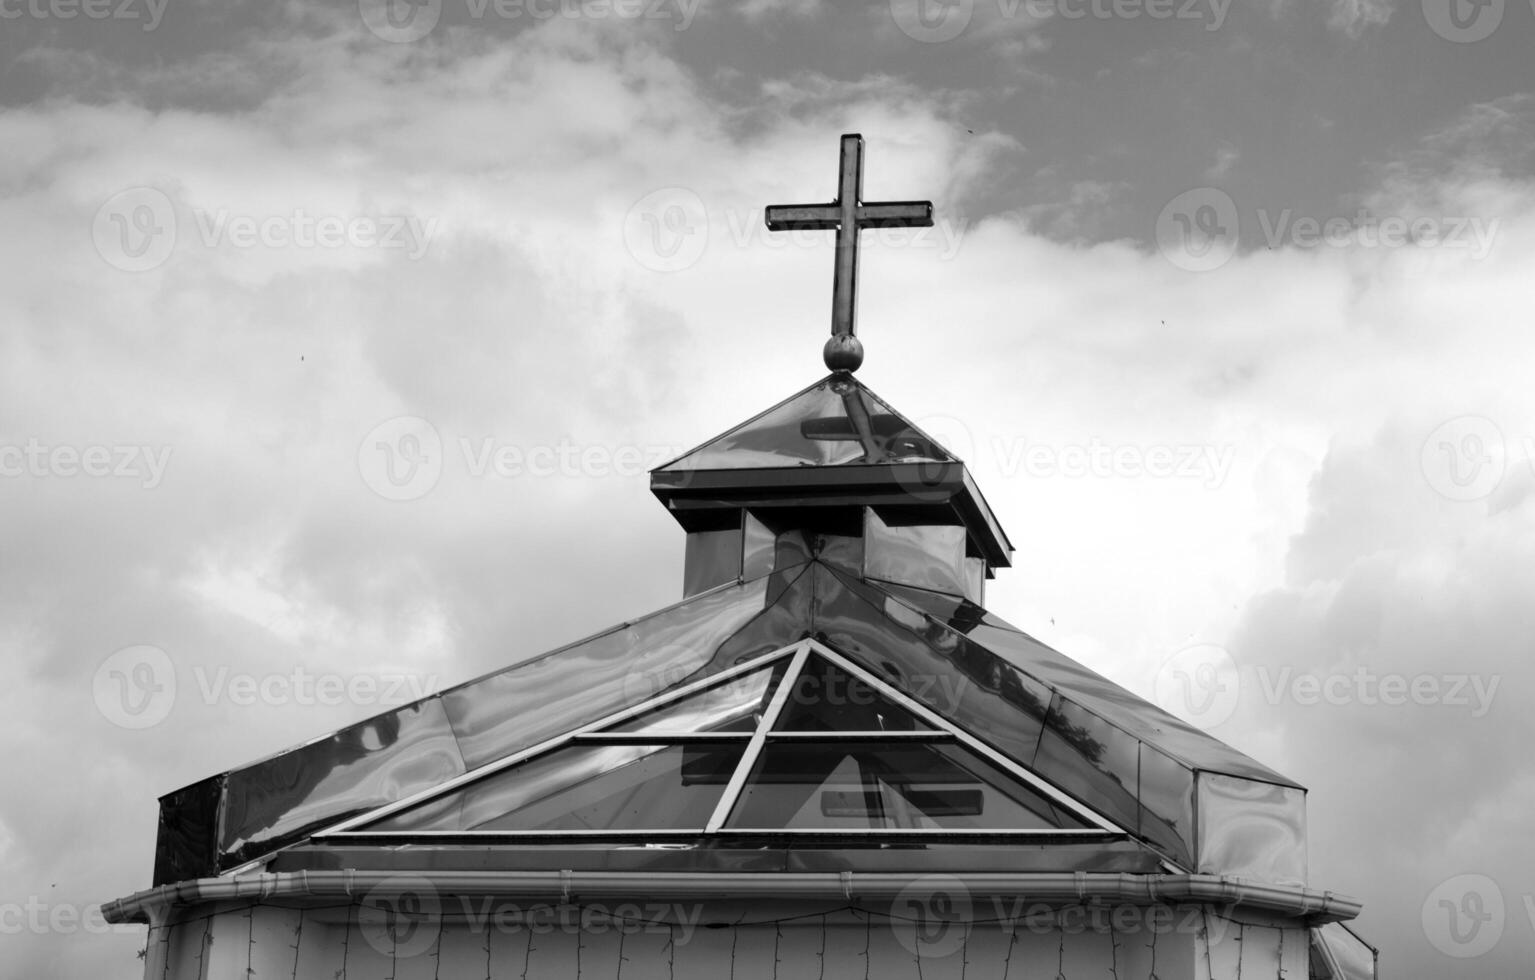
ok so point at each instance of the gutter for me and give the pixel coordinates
(154, 904)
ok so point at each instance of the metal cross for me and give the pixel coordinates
(848, 215)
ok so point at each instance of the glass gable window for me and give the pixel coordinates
(801, 740)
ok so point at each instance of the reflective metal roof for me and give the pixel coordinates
(1201, 804)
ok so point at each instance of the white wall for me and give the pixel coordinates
(789, 941)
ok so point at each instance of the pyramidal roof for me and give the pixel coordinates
(1001, 753)
(833, 443)
(837, 421)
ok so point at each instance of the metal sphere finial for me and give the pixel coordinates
(843, 352)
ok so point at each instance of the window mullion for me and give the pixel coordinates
(758, 739)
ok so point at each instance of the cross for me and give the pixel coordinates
(848, 215)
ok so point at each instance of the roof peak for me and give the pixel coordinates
(834, 443)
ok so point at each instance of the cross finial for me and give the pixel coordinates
(848, 215)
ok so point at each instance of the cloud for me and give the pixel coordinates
(1348, 17)
(1226, 157)
(1389, 580)
(760, 9)
(1354, 17)
(550, 310)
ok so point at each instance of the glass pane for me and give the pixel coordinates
(1091, 760)
(361, 767)
(587, 787)
(834, 421)
(711, 558)
(975, 580)
(828, 699)
(931, 556)
(957, 679)
(1356, 960)
(1167, 805)
(758, 544)
(734, 706)
(1319, 970)
(518, 707)
(1253, 829)
(889, 785)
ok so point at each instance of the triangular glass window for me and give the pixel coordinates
(807, 742)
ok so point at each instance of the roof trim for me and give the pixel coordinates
(154, 905)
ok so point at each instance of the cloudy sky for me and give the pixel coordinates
(335, 340)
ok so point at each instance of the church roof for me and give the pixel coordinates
(806, 713)
(1170, 794)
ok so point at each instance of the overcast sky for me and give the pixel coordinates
(1228, 306)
